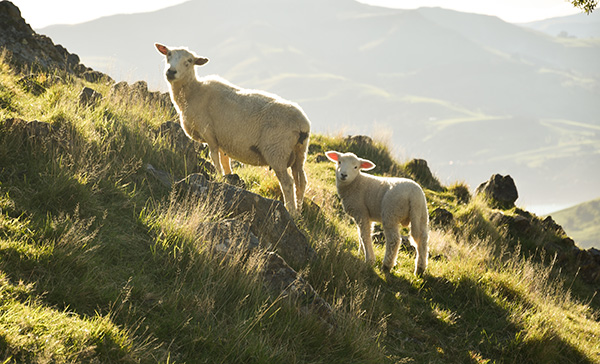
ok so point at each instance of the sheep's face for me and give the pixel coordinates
(180, 63)
(348, 166)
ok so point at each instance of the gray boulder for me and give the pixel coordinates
(500, 191)
(270, 220)
(420, 172)
(89, 97)
(441, 218)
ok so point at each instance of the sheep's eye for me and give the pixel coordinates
(168, 54)
(355, 167)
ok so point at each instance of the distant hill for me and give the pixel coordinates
(579, 25)
(472, 94)
(582, 223)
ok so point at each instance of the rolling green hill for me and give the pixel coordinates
(101, 263)
(582, 222)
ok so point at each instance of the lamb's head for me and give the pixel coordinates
(180, 62)
(348, 166)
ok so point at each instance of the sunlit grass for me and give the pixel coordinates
(101, 263)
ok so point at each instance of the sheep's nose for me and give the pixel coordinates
(171, 74)
(343, 176)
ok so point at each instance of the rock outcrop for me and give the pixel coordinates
(441, 218)
(257, 222)
(500, 191)
(271, 222)
(420, 172)
(29, 51)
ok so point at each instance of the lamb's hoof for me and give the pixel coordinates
(385, 269)
(419, 271)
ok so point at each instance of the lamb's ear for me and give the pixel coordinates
(366, 165)
(161, 48)
(200, 61)
(333, 156)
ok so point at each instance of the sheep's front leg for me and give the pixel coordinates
(216, 158)
(225, 161)
(365, 229)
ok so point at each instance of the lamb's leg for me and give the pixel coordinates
(215, 156)
(419, 236)
(299, 180)
(287, 187)
(225, 161)
(365, 229)
(392, 244)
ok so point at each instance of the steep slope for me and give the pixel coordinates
(100, 263)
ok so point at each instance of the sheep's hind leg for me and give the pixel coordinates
(287, 187)
(420, 242)
(392, 244)
(300, 181)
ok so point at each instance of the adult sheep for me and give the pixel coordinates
(391, 201)
(253, 127)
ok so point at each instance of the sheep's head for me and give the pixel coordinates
(180, 62)
(348, 166)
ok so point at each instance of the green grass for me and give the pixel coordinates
(99, 263)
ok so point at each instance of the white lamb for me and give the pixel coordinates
(391, 201)
(253, 127)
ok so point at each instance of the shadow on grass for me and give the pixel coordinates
(437, 320)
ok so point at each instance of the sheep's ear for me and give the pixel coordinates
(200, 61)
(161, 48)
(366, 165)
(333, 156)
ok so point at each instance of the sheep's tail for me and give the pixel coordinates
(303, 137)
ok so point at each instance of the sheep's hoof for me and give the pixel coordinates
(386, 269)
(419, 271)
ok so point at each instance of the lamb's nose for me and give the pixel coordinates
(343, 176)
(171, 74)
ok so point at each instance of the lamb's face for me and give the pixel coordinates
(180, 63)
(348, 166)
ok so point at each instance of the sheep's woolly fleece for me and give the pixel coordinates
(253, 127)
(390, 201)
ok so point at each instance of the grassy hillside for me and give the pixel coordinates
(99, 263)
(582, 222)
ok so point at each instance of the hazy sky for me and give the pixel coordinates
(41, 13)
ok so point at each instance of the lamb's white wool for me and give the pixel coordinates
(253, 127)
(391, 201)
